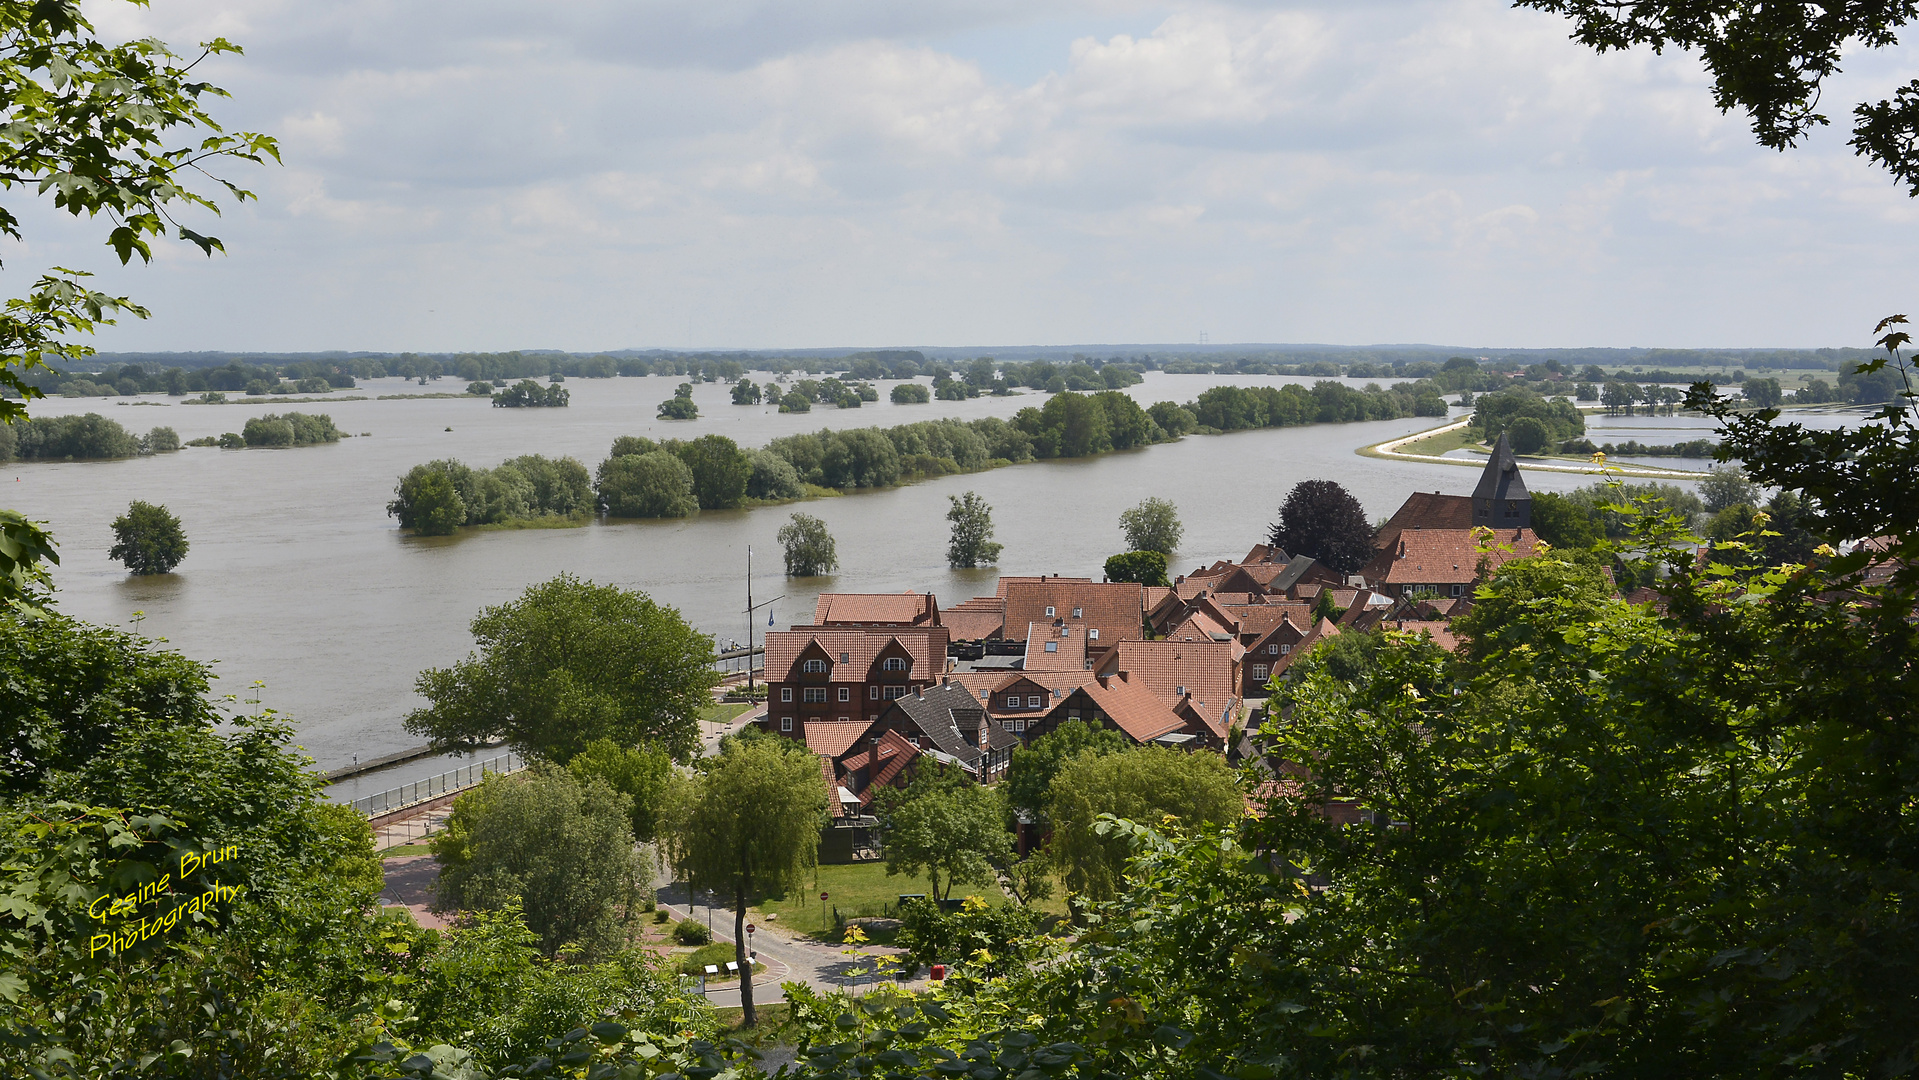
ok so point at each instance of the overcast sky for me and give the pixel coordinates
(604, 174)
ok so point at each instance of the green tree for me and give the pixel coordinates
(991, 940)
(1764, 393)
(1029, 776)
(1724, 486)
(652, 485)
(954, 832)
(641, 773)
(1143, 567)
(560, 850)
(148, 539)
(680, 407)
(746, 392)
(1174, 420)
(1146, 784)
(748, 824)
(1529, 435)
(1322, 519)
(774, 478)
(1565, 523)
(910, 394)
(971, 543)
(427, 500)
(567, 663)
(1153, 525)
(720, 471)
(809, 547)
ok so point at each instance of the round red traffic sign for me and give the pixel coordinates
(822, 898)
(749, 928)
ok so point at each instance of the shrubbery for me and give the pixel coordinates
(527, 394)
(692, 934)
(910, 394)
(291, 429)
(435, 498)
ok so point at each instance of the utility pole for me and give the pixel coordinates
(750, 608)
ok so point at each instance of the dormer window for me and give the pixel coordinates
(894, 663)
(1092, 635)
(814, 667)
(1180, 690)
(1050, 612)
(1075, 613)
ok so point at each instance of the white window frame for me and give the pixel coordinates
(1285, 650)
(786, 693)
(893, 693)
(814, 667)
(894, 663)
(1076, 612)
(1050, 612)
(1035, 701)
(1013, 701)
(1272, 648)
(1260, 671)
(846, 693)
(1092, 635)
(786, 723)
(813, 695)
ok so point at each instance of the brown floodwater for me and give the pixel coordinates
(298, 581)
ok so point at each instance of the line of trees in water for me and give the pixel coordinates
(90, 437)
(647, 478)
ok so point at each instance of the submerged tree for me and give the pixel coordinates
(1153, 525)
(971, 543)
(148, 539)
(810, 551)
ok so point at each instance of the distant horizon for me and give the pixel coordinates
(1103, 352)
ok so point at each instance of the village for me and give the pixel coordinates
(879, 682)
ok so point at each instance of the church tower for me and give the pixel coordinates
(1500, 501)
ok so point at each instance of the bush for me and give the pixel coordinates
(73, 438)
(290, 429)
(480, 389)
(690, 933)
(653, 485)
(679, 408)
(160, 440)
(527, 394)
(773, 477)
(910, 394)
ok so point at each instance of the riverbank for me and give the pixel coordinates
(1394, 449)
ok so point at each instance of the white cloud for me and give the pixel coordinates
(603, 175)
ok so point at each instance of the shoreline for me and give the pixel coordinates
(1389, 450)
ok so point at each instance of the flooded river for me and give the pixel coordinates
(297, 579)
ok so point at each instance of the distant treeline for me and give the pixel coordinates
(1551, 371)
(91, 437)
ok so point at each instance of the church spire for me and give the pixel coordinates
(1500, 501)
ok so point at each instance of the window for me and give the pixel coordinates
(1179, 691)
(894, 693)
(894, 663)
(786, 723)
(1052, 646)
(1092, 635)
(813, 693)
(1012, 701)
(846, 693)
(814, 667)
(1049, 612)
(1459, 590)
(873, 693)
(1035, 702)
(843, 720)
(786, 693)
(844, 657)
(1019, 725)
(1284, 649)
(1273, 648)
(1075, 613)
(1512, 507)
(1259, 671)
(1072, 714)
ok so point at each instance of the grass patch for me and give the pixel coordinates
(719, 954)
(814, 491)
(775, 1026)
(859, 890)
(545, 521)
(722, 711)
(404, 850)
(1438, 445)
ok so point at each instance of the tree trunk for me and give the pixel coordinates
(747, 1018)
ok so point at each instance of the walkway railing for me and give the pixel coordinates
(433, 787)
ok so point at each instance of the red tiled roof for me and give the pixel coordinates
(1202, 669)
(1265, 553)
(1443, 556)
(1047, 649)
(1440, 629)
(1006, 583)
(1156, 595)
(976, 619)
(1134, 707)
(1422, 511)
(882, 763)
(1115, 610)
(925, 644)
(1200, 625)
(830, 738)
(1258, 620)
(876, 609)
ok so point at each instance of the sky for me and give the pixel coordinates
(607, 174)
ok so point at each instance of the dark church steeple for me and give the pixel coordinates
(1500, 501)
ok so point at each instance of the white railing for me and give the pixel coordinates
(433, 787)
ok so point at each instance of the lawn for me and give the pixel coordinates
(721, 712)
(1439, 445)
(857, 890)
